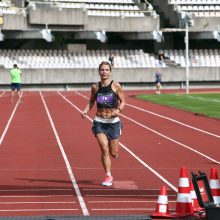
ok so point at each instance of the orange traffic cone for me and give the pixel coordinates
(184, 201)
(215, 185)
(162, 209)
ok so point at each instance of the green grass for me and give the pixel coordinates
(207, 104)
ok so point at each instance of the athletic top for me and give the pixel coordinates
(106, 97)
(15, 75)
(158, 77)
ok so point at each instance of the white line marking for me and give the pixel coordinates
(8, 123)
(148, 167)
(31, 196)
(117, 195)
(131, 201)
(80, 94)
(72, 177)
(125, 209)
(2, 94)
(8, 203)
(128, 209)
(172, 140)
(123, 189)
(160, 134)
(129, 151)
(164, 136)
(203, 99)
(11, 169)
(32, 190)
(175, 121)
(35, 210)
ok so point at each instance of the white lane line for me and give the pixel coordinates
(11, 169)
(32, 190)
(35, 210)
(2, 94)
(127, 195)
(129, 209)
(175, 121)
(203, 99)
(72, 177)
(164, 136)
(125, 209)
(32, 196)
(129, 151)
(172, 140)
(127, 201)
(122, 189)
(160, 134)
(9, 203)
(8, 123)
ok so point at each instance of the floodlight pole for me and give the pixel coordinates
(187, 54)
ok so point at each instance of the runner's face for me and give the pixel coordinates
(104, 71)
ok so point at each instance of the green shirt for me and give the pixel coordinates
(15, 75)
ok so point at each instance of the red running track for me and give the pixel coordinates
(50, 161)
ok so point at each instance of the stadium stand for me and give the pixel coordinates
(91, 58)
(197, 58)
(65, 59)
(84, 15)
(200, 10)
(69, 38)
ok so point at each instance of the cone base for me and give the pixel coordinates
(161, 215)
(200, 209)
(180, 215)
(200, 216)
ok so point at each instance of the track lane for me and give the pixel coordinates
(198, 121)
(185, 135)
(5, 110)
(161, 149)
(69, 169)
(189, 136)
(32, 169)
(134, 177)
(131, 178)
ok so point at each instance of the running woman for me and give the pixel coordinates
(158, 78)
(110, 101)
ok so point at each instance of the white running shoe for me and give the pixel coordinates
(108, 181)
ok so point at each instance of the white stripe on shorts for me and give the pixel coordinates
(106, 120)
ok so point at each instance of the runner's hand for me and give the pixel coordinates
(83, 114)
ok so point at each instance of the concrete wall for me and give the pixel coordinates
(201, 23)
(123, 24)
(79, 19)
(129, 75)
(55, 16)
(206, 23)
(47, 14)
(14, 22)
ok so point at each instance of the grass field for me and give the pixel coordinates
(207, 104)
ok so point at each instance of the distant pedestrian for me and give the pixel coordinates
(111, 59)
(15, 82)
(161, 58)
(158, 79)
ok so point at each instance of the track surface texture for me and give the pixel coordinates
(50, 161)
